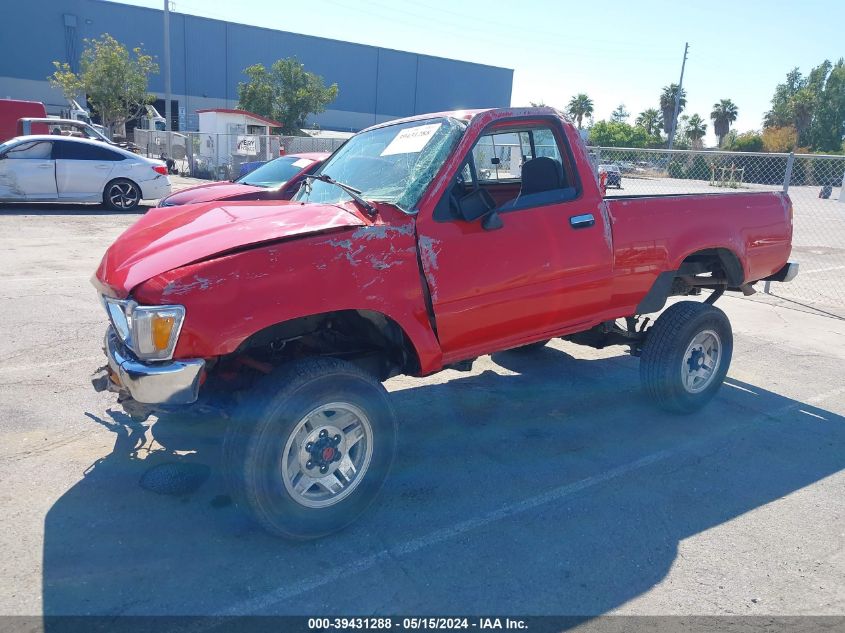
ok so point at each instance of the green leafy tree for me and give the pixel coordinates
(580, 107)
(780, 139)
(828, 127)
(620, 114)
(813, 104)
(286, 92)
(113, 80)
(781, 113)
(620, 134)
(745, 142)
(537, 104)
(650, 120)
(667, 106)
(724, 113)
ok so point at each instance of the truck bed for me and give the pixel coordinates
(652, 234)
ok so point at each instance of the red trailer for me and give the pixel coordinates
(12, 109)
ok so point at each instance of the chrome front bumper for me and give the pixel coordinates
(785, 274)
(169, 382)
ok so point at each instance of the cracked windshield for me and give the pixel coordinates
(389, 164)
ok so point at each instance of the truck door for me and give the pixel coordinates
(540, 264)
(28, 172)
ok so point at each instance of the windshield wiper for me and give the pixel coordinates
(354, 193)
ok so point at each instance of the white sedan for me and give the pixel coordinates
(42, 168)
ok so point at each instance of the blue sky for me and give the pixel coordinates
(616, 52)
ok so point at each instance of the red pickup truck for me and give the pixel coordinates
(421, 244)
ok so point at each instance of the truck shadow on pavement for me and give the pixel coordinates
(48, 208)
(547, 486)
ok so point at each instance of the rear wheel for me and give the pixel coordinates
(310, 448)
(122, 195)
(686, 356)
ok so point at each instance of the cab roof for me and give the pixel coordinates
(490, 115)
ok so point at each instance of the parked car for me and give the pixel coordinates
(278, 179)
(614, 175)
(400, 259)
(70, 127)
(48, 168)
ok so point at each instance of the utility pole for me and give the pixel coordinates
(167, 122)
(678, 97)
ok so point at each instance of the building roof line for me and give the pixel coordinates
(316, 37)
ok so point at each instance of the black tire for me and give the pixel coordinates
(257, 434)
(121, 194)
(664, 354)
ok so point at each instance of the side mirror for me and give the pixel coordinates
(492, 221)
(474, 205)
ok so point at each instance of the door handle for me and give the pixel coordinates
(44, 166)
(582, 221)
(102, 166)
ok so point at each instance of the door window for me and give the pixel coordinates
(499, 156)
(495, 173)
(40, 150)
(69, 150)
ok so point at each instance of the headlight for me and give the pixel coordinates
(149, 331)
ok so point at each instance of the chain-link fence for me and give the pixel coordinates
(814, 183)
(224, 156)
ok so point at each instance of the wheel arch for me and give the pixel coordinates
(712, 259)
(730, 263)
(380, 343)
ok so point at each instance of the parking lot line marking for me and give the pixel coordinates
(286, 592)
(438, 536)
(26, 278)
(55, 363)
(820, 270)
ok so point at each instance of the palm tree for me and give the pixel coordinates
(696, 129)
(802, 103)
(724, 113)
(667, 106)
(580, 106)
(649, 120)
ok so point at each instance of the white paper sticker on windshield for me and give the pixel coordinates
(302, 162)
(411, 140)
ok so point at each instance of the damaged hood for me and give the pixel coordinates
(171, 237)
(215, 191)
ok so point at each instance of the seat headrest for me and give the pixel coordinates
(541, 174)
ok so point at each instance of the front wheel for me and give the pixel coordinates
(686, 356)
(310, 448)
(122, 195)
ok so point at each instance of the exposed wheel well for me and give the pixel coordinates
(715, 260)
(366, 338)
(714, 268)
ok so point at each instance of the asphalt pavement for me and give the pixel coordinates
(541, 483)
